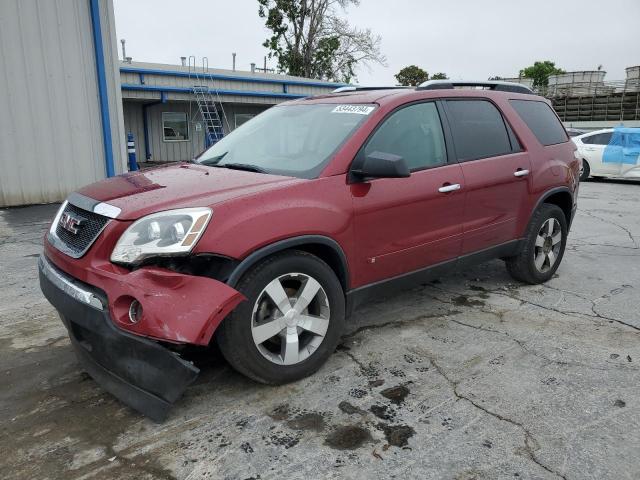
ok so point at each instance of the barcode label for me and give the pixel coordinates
(358, 109)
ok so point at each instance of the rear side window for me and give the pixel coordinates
(478, 129)
(541, 120)
(598, 139)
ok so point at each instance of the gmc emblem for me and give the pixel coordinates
(71, 222)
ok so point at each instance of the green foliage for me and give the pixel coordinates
(412, 76)
(540, 72)
(310, 38)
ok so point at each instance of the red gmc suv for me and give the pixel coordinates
(268, 240)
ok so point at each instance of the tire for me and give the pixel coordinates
(585, 171)
(277, 359)
(540, 257)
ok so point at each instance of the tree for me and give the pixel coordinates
(412, 76)
(310, 38)
(540, 72)
(439, 76)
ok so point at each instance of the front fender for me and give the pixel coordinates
(317, 211)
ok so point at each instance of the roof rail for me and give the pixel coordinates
(353, 88)
(491, 85)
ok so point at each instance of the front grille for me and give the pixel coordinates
(77, 244)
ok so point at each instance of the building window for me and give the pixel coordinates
(175, 127)
(241, 118)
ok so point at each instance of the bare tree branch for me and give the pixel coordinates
(313, 39)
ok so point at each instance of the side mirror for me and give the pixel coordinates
(381, 165)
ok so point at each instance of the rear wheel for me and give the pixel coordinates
(543, 248)
(585, 171)
(291, 322)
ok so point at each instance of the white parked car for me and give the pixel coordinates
(612, 152)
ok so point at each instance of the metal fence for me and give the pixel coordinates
(580, 89)
(597, 101)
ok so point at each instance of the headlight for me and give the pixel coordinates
(173, 232)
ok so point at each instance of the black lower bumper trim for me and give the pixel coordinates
(139, 372)
(144, 402)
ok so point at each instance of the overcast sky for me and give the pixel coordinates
(470, 39)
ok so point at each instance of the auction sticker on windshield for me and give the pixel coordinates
(359, 109)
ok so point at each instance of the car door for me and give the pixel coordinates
(495, 169)
(593, 149)
(407, 224)
(631, 153)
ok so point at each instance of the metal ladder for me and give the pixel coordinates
(208, 100)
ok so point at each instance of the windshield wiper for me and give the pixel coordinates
(241, 166)
(213, 161)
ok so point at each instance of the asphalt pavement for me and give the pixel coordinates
(472, 376)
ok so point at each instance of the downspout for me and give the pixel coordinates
(145, 123)
(102, 87)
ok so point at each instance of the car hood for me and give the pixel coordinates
(179, 186)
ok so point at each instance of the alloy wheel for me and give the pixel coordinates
(548, 245)
(290, 318)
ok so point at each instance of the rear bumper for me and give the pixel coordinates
(138, 371)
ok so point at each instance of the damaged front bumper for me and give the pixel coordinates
(137, 370)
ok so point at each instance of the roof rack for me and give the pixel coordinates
(490, 85)
(353, 88)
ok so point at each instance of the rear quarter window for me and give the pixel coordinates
(541, 120)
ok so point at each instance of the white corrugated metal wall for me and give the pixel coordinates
(112, 68)
(51, 139)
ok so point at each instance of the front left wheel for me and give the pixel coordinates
(290, 324)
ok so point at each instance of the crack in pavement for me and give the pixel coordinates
(530, 443)
(582, 243)
(523, 343)
(566, 292)
(449, 315)
(593, 301)
(568, 313)
(578, 249)
(610, 222)
(399, 323)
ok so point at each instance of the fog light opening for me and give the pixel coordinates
(135, 311)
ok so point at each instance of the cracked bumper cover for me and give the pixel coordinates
(137, 370)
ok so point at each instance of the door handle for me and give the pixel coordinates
(521, 173)
(449, 188)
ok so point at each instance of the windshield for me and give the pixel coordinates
(291, 140)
